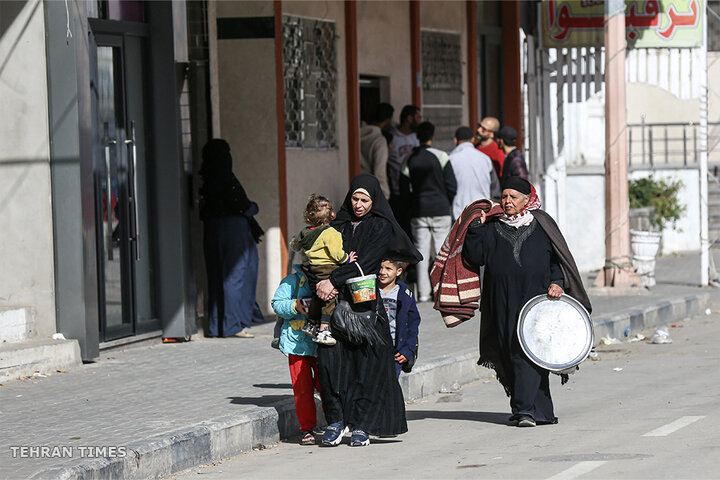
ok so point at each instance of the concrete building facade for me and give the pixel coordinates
(96, 203)
(109, 102)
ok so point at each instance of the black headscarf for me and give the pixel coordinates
(516, 183)
(222, 194)
(216, 160)
(400, 248)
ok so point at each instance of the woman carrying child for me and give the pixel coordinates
(359, 385)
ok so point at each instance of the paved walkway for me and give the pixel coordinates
(155, 391)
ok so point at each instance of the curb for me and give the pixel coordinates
(441, 374)
(209, 441)
(661, 313)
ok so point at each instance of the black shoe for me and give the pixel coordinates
(526, 421)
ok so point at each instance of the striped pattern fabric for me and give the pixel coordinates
(456, 285)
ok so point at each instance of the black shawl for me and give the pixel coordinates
(400, 246)
(221, 194)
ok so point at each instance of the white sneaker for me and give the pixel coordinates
(325, 337)
(424, 299)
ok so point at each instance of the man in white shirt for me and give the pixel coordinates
(474, 172)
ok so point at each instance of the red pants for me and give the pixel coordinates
(303, 373)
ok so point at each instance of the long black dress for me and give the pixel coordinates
(519, 264)
(358, 384)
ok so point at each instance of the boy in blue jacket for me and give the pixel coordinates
(291, 302)
(402, 313)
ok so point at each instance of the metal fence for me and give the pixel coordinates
(652, 145)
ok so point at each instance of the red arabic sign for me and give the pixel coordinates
(649, 23)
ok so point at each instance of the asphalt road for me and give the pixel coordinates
(639, 411)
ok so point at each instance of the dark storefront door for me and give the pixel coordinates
(124, 237)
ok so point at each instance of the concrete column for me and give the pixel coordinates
(26, 215)
(618, 271)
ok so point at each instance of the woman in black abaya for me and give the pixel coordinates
(524, 255)
(230, 234)
(359, 389)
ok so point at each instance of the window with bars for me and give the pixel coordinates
(442, 84)
(310, 79)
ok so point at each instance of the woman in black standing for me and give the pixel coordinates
(230, 234)
(358, 384)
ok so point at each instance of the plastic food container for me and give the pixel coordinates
(362, 288)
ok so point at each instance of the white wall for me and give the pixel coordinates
(687, 234)
(658, 105)
(583, 219)
(584, 224)
(246, 90)
(380, 25)
(26, 257)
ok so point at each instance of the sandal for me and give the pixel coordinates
(244, 333)
(308, 438)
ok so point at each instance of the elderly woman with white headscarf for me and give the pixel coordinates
(524, 255)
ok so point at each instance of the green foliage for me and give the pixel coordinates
(661, 194)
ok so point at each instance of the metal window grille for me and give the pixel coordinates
(442, 84)
(310, 80)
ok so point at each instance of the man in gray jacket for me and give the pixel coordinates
(374, 148)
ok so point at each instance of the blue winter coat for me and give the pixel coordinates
(407, 323)
(292, 340)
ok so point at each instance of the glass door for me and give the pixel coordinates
(122, 216)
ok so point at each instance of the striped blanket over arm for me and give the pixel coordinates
(456, 285)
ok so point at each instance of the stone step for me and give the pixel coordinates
(37, 355)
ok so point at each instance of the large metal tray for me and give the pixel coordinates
(555, 333)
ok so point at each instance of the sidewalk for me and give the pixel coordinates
(168, 407)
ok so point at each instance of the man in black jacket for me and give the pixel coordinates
(429, 181)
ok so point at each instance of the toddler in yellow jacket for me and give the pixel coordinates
(323, 247)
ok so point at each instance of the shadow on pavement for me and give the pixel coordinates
(264, 401)
(273, 385)
(346, 441)
(485, 417)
